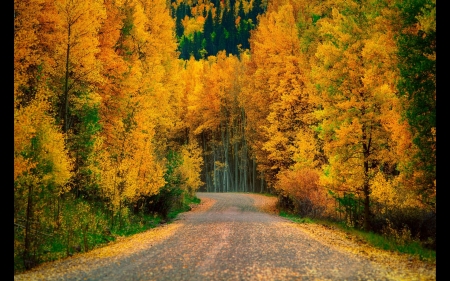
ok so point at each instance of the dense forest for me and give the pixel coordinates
(123, 109)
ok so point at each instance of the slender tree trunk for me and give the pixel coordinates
(206, 165)
(120, 213)
(244, 154)
(214, 171)
(66, 84)
(236, 165)
(225, 140)
(261, 188)
(236, 157)
(58, 211)
(85, 230)
(366, 190)
(254, 175)
(244, 168)
(26, 252)
(229, 162)
(366, 187)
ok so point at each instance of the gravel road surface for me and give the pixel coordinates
(227, 237)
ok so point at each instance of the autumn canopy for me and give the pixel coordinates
(129, 107)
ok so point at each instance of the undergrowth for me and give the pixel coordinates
(102, 232)
(393, 242)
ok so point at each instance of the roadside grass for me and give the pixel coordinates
(295, 218)
(185, 206)
(136, 225)
(248, 192)
(56, 248)
(144, 222)
(148, 221)
(411, 247)
(268, 194)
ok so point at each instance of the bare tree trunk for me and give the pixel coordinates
(261, 189)
(366, 190)
(244, 168)
(236, 165)
(366, 187)
(225, 144)
(26, 253)
(68, 241)
(254, 175)
(206, 165)
(85, 229)
(214, 171)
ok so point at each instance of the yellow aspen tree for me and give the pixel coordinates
(120, 105)
(206, 92)
(237, 164)
(26, 56)
(26, 60)
(278, 89)
(204, 113)
(161, 66)
(48, 169)
(138, 115)
(356, 74)
(76, 53)
(70, 43)
(292, 117)
(42, 166)
(259, 85)
(190, 169)
(192, 94)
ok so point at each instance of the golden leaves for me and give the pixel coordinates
(190, 169)
(427, 19)
(303, 185)
(304, 150)
(139, 100)
(211, 86)
(356, 74)
(192, 25)
(38, 141)
(275, 94)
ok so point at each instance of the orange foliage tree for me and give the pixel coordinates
(137, 113)
(42, 166)
(355, 76)
(277, 98)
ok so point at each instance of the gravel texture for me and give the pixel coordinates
(235, 236)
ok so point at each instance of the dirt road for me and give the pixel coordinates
(227, 237)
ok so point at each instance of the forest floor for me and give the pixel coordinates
(236, 236)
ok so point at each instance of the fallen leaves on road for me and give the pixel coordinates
(265, 203)
(111, 253)
(204, 205)
(401, 266)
